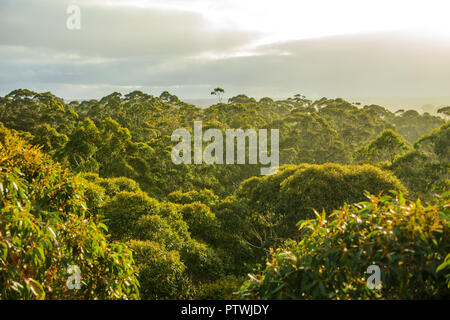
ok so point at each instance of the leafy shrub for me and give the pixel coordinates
(422, 176)
(156, 228)
(407, 240)
(170, 212)
(113, 186)
(202, 222)
(445, 267)
(44, 230)
(233, 235)
(49, 139)
(436, 143)
(425, 171)
(124, 210)
(161, 272)
(386, 147)
(94, 195)
(280, 200)
(202, 261)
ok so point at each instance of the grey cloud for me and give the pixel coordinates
(120, 32)
(120, 48)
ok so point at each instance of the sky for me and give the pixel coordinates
(345, 48)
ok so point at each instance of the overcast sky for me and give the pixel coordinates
(357, 48)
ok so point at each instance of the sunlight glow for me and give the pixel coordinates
(300, 19)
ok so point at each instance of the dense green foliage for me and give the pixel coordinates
(407, 240)
(161, 272)
(130, 135)
(270, 206)
(91, 183)
(44, 229)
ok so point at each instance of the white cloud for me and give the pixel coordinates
(301, 19)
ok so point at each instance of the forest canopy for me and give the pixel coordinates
(91, 183)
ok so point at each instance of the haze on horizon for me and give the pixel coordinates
(347, 48)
